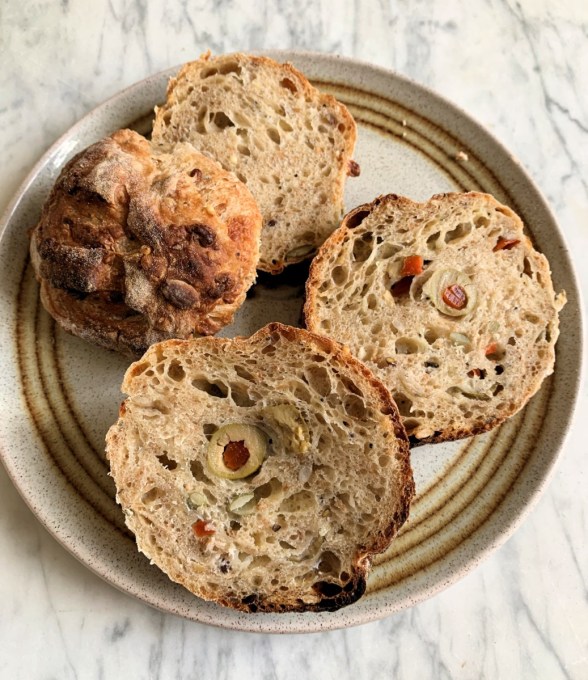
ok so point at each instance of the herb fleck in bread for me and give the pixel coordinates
(260, 473)
(446, 301)
(135, 246)
(265, 122)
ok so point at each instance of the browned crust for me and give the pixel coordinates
(352, 220)
(128, 232)
(333, 595)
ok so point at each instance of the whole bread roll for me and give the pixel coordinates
(135, 246)
(446, 301)
(265, 122)
(261, 473)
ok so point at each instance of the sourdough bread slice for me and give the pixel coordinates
(260, 473)
(266, 123)
(135, 246)
(446, 301)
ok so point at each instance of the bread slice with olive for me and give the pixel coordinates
(446, 301)
(264, 121)
(261, 473)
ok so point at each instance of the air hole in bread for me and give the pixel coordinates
(152, 495)
(217, 390)
(407, 345)
(433, 240)
(289, 85)
(355, 219)
(221, 120)
(403, 403)
(244, 373)
(531, 318)
(286, 127)
(318, 379)
(271, 488)
(462, 230)
(324, 471)
(363, 247)
(327, 589)
(158, 405)
(274, 135)
(208, 72)
(497, 389)
(268, 350)
(329, 563)
(384, 460)
(198, 471)
(244, 150)
(481, 221)
(175, 370)
(167, 462)
(241, 397)
(355, 407)
(241, 177)
(300, 502)
(411, 424)
(140, 368)
(459, 391)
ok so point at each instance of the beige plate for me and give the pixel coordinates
(59, 395)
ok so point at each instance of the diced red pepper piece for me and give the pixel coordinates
(201, 528)
(505, 244)
(412, 266)
(491, 349)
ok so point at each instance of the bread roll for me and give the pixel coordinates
(135, 246)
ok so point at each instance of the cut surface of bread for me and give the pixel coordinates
(260, 473)
(136, 246)
(266, 123)
(446, 301)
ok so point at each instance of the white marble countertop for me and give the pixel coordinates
(519, 69)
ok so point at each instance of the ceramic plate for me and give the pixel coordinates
(59, 395)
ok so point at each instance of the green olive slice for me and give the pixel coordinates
(236, 451)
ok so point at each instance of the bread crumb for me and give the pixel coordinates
(462, 156)
(403, 122)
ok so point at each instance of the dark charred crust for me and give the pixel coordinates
(204, 235)
(222, 284)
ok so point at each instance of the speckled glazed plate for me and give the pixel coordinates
(59, 395)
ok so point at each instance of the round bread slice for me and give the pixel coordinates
(265, 122)
(446, 301)
(135, 246)
(261, 473)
